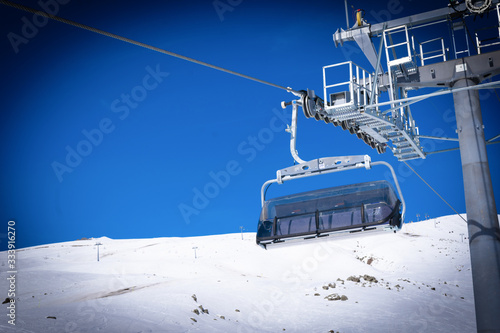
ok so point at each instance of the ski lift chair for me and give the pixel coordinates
(349, 208)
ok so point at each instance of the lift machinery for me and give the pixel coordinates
(374, 105)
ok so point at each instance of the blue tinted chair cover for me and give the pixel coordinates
(321, 212)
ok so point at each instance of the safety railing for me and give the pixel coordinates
(351, 94)
(434, 53)
(400, 50)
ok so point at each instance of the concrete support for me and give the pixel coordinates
(482, 219)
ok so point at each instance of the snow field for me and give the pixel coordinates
(417, 280)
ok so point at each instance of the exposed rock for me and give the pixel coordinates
(366, 277)
(336, 297)
(370, 278)
(367, 260)
(353, 278)
(333, 297)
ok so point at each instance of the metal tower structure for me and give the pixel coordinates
(355, 104)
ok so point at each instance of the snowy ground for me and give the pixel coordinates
(418, 280)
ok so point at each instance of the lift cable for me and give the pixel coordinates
(130, 41)
(426, 183)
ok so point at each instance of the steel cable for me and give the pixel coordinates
(131, 41)
(426, 183)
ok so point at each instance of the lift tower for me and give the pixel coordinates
(462, 75)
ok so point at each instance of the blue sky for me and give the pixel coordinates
(151, 131)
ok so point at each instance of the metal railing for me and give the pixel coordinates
(436, 53)
(404, 46)
(357, 90)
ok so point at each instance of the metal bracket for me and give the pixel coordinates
(317, 167)
(323, 164)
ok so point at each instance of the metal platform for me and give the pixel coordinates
(352, 105)
(381, 129)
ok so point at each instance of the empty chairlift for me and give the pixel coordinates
(350, 208)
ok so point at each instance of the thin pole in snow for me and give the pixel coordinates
(194, 248)
(97, 244)
(241, 228)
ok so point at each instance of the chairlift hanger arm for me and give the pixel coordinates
(310, 105)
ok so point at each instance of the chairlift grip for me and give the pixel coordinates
(293, 133)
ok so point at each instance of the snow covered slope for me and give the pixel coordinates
(417, 280)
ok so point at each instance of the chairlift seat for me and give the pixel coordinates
(349, 208)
